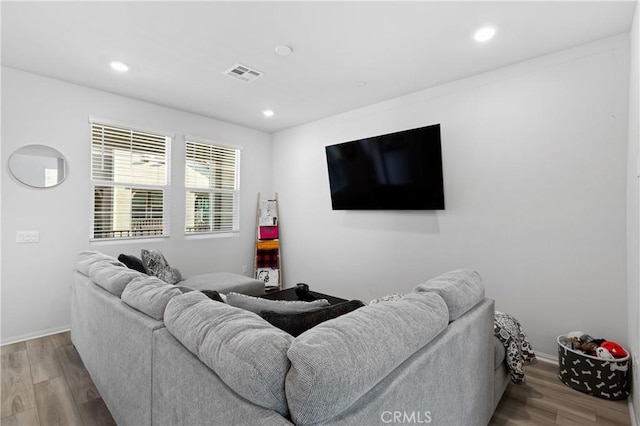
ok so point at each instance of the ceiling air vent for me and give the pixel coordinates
(243, 72)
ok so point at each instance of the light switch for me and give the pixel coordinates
(27, 236)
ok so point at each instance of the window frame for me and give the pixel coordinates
(131, 185)
(209, 233)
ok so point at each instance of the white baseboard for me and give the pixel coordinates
(41, 333)
(546, 358)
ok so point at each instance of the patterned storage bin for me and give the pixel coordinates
(608, 379)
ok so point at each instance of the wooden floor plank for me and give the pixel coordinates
(61, 339)
(96, 413)
(24, 418)
(542, 399)
(510, 412)
(55, 403)
(17, 391)
(42, 358)
(14, 347)
(607, 414)
(566, 418)
(80, 383)
(529, 404)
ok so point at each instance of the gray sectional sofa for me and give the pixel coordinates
(161, 357)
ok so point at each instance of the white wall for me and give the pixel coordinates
(633, 208)
(534, 162)
(36, 277)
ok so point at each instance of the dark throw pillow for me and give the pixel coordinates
(132, 262)
(299, 322)
(213, 295)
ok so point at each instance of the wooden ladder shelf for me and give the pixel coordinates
(267, 260)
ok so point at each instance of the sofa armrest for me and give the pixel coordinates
(115, 343)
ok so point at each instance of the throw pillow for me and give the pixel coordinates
(155, 264)
(258, 304)
(132, 262)
(299, 322)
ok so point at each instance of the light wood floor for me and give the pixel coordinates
(545, 400)
(45, 383)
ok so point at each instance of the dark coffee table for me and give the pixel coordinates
(291, 294)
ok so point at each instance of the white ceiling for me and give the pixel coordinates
(178, 51)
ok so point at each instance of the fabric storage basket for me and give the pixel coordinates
(608, 379)
(268, 233)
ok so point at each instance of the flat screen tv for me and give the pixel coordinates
(396, 171)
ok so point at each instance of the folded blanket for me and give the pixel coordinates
(267, 259)
(268, 245)
(518, 349)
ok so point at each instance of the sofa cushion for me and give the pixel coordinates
(298, 322)
(149, 295)
(337, 362)
(155, 264)
(112, 277)
(245, 351)
(461, 290)
(86, 258)
(132, 262)
(258, 304)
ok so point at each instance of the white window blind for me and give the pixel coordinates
(129, 172)
(212, 188)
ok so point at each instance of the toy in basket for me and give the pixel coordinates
(606, 378)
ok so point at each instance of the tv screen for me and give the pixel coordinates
(397, 171)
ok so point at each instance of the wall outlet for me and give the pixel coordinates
(27, 236)
(245, 269)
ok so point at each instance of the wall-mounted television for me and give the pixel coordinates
(396, 171)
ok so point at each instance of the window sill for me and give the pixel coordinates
(127, 240)
(210, 235)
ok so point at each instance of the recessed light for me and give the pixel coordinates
(119, 66)
(283, 50)
(484, 34)
(268, 113)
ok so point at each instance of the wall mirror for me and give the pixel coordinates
(38, 166)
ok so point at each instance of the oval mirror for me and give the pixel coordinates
(38, 166)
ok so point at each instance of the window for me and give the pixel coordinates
(129, 172)
(212, 189)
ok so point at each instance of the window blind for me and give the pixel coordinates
(212, 189)
(130, 182)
